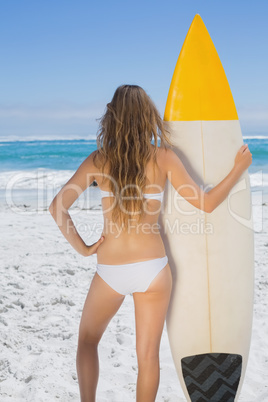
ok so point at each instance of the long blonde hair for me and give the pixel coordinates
(126, 130)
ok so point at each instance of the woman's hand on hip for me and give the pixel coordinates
(92, 249)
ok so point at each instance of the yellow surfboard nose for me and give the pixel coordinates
(199, 88)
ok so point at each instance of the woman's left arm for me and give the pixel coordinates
(69, 193)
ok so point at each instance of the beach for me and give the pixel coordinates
(44, 283)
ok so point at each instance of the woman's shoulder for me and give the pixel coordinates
(164, 153)
(97, 158)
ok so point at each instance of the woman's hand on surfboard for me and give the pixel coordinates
(243, 158)
(93, 248)
(196, 195)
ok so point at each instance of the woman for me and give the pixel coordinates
(131, 257)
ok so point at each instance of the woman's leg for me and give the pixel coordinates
(150, 312)
(101, 304)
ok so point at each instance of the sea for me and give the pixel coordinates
(33, 170)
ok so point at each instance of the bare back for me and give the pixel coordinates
(141, 241)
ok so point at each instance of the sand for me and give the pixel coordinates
(43, 287)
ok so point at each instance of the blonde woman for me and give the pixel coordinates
(131, 257)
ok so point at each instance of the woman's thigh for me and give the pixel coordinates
(150, 313)
(101, 304)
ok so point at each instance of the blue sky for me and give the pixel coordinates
(61, 60)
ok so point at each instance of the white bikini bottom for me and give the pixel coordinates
(130, 278)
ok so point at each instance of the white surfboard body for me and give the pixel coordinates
(211, 255)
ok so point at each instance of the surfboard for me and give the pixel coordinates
(211, 255)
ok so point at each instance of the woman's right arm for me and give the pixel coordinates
(195, 195)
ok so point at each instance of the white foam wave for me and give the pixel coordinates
(255, 137)
(34, 179)
(13, 138)
(52, 179)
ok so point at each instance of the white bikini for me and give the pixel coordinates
(152, 196)
(134, 277)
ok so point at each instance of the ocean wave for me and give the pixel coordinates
(15, 138)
